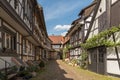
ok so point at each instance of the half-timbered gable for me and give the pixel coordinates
(102, 58)
(75, 33)
(79, 30)
(86, 15)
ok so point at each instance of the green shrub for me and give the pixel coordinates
(32, 68)
(2, 76)
(74, 61)
(23, 73)
(41, 64)
(83, 60)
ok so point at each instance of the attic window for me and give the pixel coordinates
(100, 10)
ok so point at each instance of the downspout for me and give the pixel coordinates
(108, 15)
(108, 25)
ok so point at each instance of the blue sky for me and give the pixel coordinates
(59, 14)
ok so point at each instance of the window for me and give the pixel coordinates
(7, 41)
(14, 43)
(56, 46)
(24, 46)
(19, 43)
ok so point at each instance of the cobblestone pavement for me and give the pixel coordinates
(58, 70)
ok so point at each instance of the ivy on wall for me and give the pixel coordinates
(101, 39)
(65, 50)
(83, 59)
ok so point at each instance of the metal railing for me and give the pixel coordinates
(7, 65)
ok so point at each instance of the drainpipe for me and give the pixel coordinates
(108, 20)
(108, 13)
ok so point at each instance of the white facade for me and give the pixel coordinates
(75, 53)
(112, 65)
(112, 59)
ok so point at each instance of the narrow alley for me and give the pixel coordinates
(58, 70)
(59, 39)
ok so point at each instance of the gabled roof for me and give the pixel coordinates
(57, 39)
(92, 21)
(75, 25)
(84, 12)
(66, 39)
(87, 10)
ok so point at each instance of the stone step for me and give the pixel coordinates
(11, 75)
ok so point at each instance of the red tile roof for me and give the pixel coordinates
(57, 39)
(66, 39)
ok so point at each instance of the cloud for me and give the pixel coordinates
(62, 27)
(59, 9)
(63, 34)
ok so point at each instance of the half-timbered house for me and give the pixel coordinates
(104, 59)
(22, 31)
(66, 43)
(75, 38)
(79, 29)
(57, 45)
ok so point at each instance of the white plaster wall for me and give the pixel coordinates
(89, 18)
(12, 3)
(71, 52)
(87, 25)
(95, 25)
(113, 1)
(111, 50)
(85, 32)
(113, 67)
(110, 56)
(117, 36)
(102, 7)
(82, 22)
(76, 51)
(111, 53)
(90, 35)
(94, 30)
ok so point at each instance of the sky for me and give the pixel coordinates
(59, 14)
